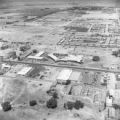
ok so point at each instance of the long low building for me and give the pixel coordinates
(69, 58)
(24, 70)
(73, 58)
(35, 57)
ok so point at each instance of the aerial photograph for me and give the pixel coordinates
(59, 59)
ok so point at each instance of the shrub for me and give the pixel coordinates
(68, 82)
(69, 105)
(19, 58)
(55, 95)
(48, 91)
(115, 53)
(35, 51)
(116, 106)
(6, 106)
(78, 105)
(96, 58)
(52, 103)
(33, 102)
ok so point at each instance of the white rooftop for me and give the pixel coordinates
(35, 57)
(73, 58)
(39, 54)
(53, 57)
(24, 70)
(64, 74)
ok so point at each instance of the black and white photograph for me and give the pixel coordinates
(59, 59)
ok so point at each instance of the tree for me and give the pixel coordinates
(68, 82)
(33, 102)
(6, 106)
(78, 104)
(48, 91)
(69, 105)
(116, 106)
(96, 58)
(104, 84)
(52, 103)
(19, 58)
(55, 95)
(115, 53)
(35, 51)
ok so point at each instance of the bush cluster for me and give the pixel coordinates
(51, 103)
(70, 105)
(6, 106)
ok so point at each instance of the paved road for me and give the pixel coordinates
(62, 66)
